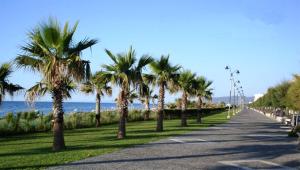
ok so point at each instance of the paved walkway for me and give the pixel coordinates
(248, 141)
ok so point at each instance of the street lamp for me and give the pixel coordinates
(231, 84)
(233, 108)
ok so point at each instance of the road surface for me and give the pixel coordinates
(248, 141)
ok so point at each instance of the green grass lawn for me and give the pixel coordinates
(33, 151)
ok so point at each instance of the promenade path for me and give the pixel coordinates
(248, 141)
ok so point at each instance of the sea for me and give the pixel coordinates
(46, 107)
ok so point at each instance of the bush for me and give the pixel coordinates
(292, 134)
(10, 117)
(176, 113)
(29, 122)
(294, 131)
(109, 117)
(135, 115)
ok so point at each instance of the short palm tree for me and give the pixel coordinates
(125, 73)
(51, 51)
(165, 73)
(186, 84)
(5, 85)
(203, 91)
(146, 93)
(99, 85)
(145, 99)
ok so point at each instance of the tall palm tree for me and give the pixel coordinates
(125, 73)
(5, 85)
(186, 83)
(165, 73)
(203, 91)
(52, 51)
(99, 85)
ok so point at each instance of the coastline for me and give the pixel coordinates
(46, 107)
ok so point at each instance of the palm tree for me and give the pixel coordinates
(5, 85)
(146, 93)
(125, 73)
(203, 91)
(145, 99)
(51, 51)
(99, 85)
(130, 97)
(186, 83)
(165, 73)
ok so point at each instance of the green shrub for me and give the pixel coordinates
(108, 117)
(10, 117)
(292, 134)
(24, 115)
(17, 121)
(294, 131)
(297, 129)
(32, 115)
(29, 122)
(135, 115)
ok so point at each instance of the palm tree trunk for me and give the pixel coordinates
(58, 124)
(183, 110)
(123, 114)
(160, 109)
(199, 119)
(98, 111)
(147, 109)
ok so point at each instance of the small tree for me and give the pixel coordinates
(186, 84)
(125, 73)
(202, 91)
(294, 100)
(99, 85)
(145, 99)
(293, 94)
(165, 74)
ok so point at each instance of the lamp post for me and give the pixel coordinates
(240, 99)
(231, 84)
(239, 92)
(233, 106)
(237, 104)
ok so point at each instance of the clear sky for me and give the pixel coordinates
(261, 38)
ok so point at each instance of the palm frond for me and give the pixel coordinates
(112, 57)
(82, 45)
(5, 85)
(28, 62)
(5, 71)
(87, 88)
(144, 61)
(39, 89)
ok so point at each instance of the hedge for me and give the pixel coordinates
(176, 113)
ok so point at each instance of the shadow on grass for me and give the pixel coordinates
(119, 144)
(107, 134)
(96, 163)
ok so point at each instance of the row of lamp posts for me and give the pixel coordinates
(238, 92)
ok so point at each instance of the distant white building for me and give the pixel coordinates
(257, 96)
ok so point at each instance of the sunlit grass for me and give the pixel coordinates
(34, 151)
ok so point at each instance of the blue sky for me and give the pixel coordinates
(261, 38)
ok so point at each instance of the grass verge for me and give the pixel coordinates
(33, 151)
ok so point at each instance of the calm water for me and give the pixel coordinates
(46, 107)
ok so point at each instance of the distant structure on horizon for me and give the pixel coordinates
(257, 96)
(226, 99)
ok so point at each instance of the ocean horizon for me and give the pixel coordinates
(46, 107)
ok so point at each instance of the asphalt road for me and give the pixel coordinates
(249, 141)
